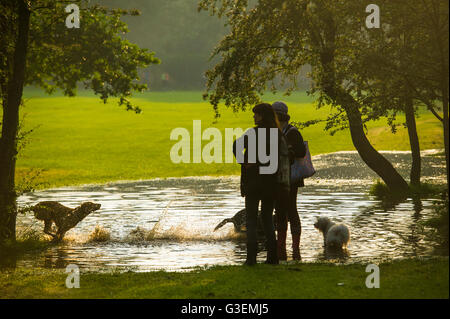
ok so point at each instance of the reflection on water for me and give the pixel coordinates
(181, 213)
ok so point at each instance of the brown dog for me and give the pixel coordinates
(65, 218)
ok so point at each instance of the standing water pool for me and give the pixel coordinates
(177, 217)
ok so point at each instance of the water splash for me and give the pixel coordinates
(181, 232)
(168, 223)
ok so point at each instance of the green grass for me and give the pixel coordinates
(425, 190)
(81, 140)
(398, 279)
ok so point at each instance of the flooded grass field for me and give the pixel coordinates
(168, 224)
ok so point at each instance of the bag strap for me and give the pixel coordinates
(287, 129)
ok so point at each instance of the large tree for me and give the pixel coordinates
(424, 31)
(277, 38)
(406, 64)
(38, 48)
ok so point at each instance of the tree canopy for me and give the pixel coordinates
(95, 55)
(271, 39)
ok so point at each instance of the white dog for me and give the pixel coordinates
(334, 236)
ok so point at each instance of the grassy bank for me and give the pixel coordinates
(81, 140)
(380, 190)
(413, 278)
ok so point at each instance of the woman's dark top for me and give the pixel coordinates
(252, 182)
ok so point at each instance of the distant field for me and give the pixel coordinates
(81, 140)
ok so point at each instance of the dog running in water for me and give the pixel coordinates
(334, 235)
(65, 218)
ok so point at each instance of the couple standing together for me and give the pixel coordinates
(266, 188)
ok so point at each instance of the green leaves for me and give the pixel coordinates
(263, 47)
(95, 55)
(271, 41)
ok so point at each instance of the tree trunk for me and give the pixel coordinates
(413, 141)
(446, 125)
(441, 41)
(8, 142)
(377, 162)
(331, 87)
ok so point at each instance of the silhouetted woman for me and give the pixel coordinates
(258, 187)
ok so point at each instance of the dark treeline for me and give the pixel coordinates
(180, 36)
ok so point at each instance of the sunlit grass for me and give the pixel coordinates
(380, 190)
(81, 140)
(413, 278)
